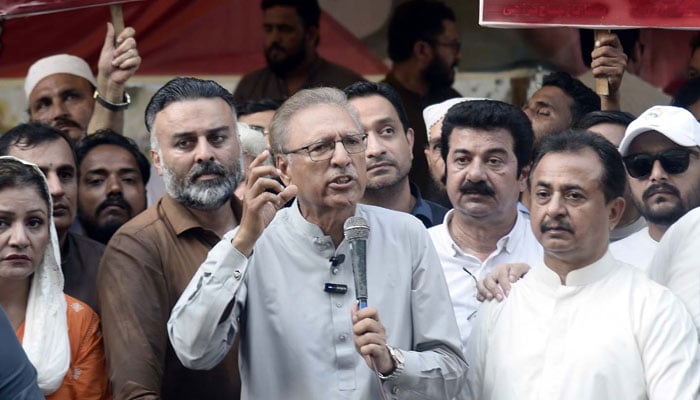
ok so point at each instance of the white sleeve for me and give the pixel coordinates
(476, 352)
(675, 263)
(669, 345)
(205, 318)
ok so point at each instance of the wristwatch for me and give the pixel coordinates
(112, 106)
(398, 359)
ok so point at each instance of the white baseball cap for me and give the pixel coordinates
(676, 123)
(434, 113)
(57, 64)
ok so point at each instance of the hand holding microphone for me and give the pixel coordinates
(368, 332)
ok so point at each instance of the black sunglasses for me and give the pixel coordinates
(673, 161)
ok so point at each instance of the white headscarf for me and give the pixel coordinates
(45, 325)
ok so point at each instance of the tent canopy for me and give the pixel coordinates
(175, 37)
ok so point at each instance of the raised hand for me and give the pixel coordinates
(260, 204)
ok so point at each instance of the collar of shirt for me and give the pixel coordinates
(579, 277)
(181, 217)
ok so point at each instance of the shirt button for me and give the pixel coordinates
(334, 271)
(342, 338)
(339, 305)
(237, 275)
(395, 390)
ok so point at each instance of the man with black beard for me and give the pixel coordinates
(112, 184)
(486, 145)
(151, 259)
(661, 153)
(424, 46)
(291, 37)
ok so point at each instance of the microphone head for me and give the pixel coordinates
(356, 228)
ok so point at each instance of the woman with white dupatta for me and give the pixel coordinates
(60, 334)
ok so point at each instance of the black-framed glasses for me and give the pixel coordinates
(673, 161)
(324, 149)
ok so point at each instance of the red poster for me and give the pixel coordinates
(600, 14)
(23, 8)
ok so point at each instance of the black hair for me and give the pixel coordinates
(308, 10)
(585, 99)
(415, 20)
(108, 136)
(688, 94)
(613, 179)
(365, 89)
(255, 106)
(32, 134)
(16, 174)
(180, 89)
(490, 115)
(593, 118)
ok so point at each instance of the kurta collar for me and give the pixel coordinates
(580, 277)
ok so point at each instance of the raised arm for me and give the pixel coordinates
(204, 321)
(119, 60)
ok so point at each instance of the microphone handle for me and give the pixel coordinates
(359, 269)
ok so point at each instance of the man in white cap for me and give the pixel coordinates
(62, 91)
(661, 153)
(486, 146)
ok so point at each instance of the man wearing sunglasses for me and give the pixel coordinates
(662, 158)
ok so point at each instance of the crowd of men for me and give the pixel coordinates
(573, 219)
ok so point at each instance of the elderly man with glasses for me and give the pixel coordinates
(661, 154)
(284, 280)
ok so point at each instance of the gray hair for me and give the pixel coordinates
(279, 128)
(181, 89)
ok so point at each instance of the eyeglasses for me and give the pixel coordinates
(323, 150)
(673, 161)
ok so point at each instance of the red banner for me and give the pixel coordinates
(23, 8)
(600, 14)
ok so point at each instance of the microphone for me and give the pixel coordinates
(356, 232)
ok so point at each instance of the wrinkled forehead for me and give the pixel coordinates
(320, 122)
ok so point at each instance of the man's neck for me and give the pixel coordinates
(410, 76)
(329, 220)
(297, 77)
(479, 237)
(397, 197)
(657, 231)
(562, 266)
(219, 220)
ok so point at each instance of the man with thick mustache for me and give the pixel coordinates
(582, 325)
(150, 260)
(486, 146)
(52, 150)
(292, 34)
(661, 153)
(112, 184)
(284, 279)
(389, 152)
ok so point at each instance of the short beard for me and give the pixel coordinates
(102, 233)
(284, 66)
(438, 75)
(207, 195)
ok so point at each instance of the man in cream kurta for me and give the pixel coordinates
(269, 279)
(582, 325)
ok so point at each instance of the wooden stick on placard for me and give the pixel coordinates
(117, 18)
(602, 86)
